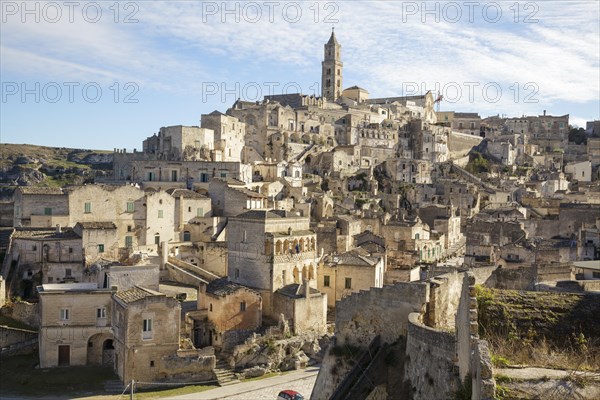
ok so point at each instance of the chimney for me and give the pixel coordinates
(58, 229)
(306, 288)
(544, 113)
(201, 304)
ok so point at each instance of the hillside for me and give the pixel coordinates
(29, 165)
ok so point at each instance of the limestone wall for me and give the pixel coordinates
(22, 311)
(459, 144)
(429, 360)
(444, 297)
(362, 316)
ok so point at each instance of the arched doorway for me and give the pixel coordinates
(108, 352)
(101, 350)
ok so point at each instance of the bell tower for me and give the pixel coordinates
(331, 76)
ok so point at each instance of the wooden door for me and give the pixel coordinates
(64, 355)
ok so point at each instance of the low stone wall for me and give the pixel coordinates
(554, 273)
(429, 360)
(9, 336)
(484, 386)
(589, 286)
(521, 278)
(188, 369)
(204, 352)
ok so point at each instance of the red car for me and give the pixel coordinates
(289, 395)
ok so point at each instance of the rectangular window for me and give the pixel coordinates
(130, 206)
(87, 208)
(348, 283)
(160, 213)
(150, 176)
(237, 273)
(34, 247)
(65, 314)
(200, 212)
(100, 248)
(223, 174)
(47, 211)
(101, 312)
(203, 177)
(147, 329)
(174, 176)
(243, 306)
(326, 281)
(68, 272)
(128, 241)
(129, 228)
(596, 274)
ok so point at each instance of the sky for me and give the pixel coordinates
(108, 74)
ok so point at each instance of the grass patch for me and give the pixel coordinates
(21, 377)
(267, 375)
(157, 394)
(502, 378)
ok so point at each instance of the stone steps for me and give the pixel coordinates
(225, 376)
(113, 386)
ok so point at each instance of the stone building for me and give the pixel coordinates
(75, 325)
(98, 240)
(146, 327)
(349, 272)
(580, 171)
(466, 123)
(229, 135)
(303, 306)
(444, 220)
(40, 207)
(269, 250)
(179, 142)
(227, 312)
(123, 205)
(55, 254)
(192, 209)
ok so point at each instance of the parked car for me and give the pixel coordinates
(289, 395)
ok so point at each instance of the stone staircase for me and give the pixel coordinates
(225, 376)
(457, 248)
(113, 386)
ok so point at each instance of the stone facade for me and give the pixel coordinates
(75, 325)
(146, 334)
(223, 308)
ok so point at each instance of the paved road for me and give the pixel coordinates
(267, 389)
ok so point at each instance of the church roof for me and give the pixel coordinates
(356, 87)
(332, 39)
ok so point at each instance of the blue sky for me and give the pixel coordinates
(160, 63)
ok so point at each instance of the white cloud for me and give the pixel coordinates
(172, 50)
